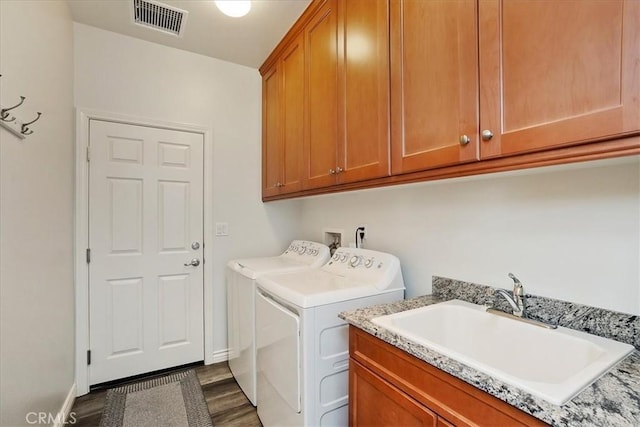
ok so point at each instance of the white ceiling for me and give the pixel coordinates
(246, 41)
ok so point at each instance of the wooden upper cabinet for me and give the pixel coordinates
(292, 66)
(557, 73)
(434, 83)
(347, 105)
(362, 93)
(363, 145)
(271, 133)
(282, 118)
(547, 74)
(321, 104)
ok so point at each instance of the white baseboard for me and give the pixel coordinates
(220, 356)
(65, 410)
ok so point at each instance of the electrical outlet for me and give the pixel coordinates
(364, 232)
(222, 228)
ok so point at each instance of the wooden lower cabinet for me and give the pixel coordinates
(375, 402)
(388, 387)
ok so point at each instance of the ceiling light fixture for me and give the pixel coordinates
(234, 8)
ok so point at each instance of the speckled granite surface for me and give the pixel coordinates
(613, 400)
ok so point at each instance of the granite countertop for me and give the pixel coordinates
(613, 400)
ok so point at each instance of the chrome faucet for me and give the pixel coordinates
(517, 299)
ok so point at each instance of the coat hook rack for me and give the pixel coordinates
(4, 113)
(14, 125)
(25, 130)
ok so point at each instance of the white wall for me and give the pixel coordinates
(570, 233)
(36, 211)
(120, 74)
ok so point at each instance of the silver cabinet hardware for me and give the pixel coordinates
(487, 135)
(339, 170)
(464, 139)
(332, 172)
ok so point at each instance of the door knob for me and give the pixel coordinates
(195, 246)
(487, 135)
(194, 263)
(464, 139)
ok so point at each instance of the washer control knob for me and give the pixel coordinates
(335, 256)
(343, 257)
(355, 261)
(302, 250)
(368, 263)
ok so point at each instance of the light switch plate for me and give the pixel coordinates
(222, 228)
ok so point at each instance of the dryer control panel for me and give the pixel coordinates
(363, 265)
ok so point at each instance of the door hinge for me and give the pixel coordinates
(88, 255)
(88, 153)
(88, 357)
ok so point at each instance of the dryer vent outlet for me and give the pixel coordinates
(333, 239)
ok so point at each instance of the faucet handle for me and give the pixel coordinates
(517, 285)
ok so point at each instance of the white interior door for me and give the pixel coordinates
(145, 228)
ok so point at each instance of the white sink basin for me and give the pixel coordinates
(553, 364)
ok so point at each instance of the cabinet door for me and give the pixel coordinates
(443, 423)
(557, 73)
(321, 109)
(271, 133)
(434, 83)
(374, 402)
(363, 148)
(292, 66)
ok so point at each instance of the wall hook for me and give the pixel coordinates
(4, 113)
(25, 130)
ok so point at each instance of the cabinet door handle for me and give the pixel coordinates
(279, 184)
(339, 170)
(487, 135)
(464, 139)
(332, 172)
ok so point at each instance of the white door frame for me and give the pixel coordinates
(83, 116)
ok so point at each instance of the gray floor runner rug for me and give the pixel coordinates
(171, 401)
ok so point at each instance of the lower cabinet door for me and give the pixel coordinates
(374, 402)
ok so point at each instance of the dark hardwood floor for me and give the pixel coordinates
(228, 406)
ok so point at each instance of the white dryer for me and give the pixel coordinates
(302, 344)
(240, 276)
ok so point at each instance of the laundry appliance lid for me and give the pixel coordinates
(312, 288)
(254, 267)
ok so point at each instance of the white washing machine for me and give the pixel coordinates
(240, 279)
(302, 344)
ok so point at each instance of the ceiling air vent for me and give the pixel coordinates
(158, 16)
